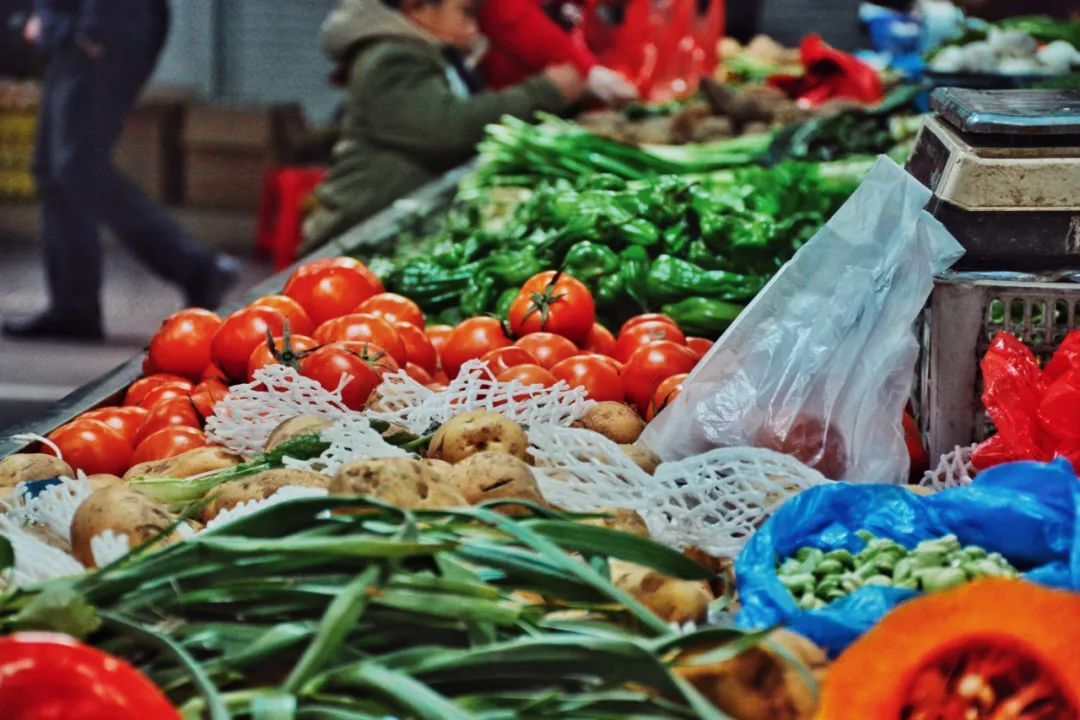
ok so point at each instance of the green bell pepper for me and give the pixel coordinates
(430, 284)
(505, 300)
(512, 267)
(634, 272)
(479, 295)
(671, 279)
(587, 261)
(702, 316)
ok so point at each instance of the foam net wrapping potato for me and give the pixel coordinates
(953, 470)
(351, 438)
(715, 501)
(712, 501)
(403, 401)
(245, 417)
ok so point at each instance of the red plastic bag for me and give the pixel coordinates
(1036, 412)
(830, 73)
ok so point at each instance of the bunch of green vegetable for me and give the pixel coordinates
(349, 608)
(519, 153)
(697, 249)
(816, 578)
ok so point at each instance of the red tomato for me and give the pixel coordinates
(287, 354)
(92, 446)
(528, 375)
(699, 345)
(363, 328)
(553, 302)
(646, 317)
(418, 373)
(548, 349)
(440, 376)
(213, 372)
(472, 339)
(182, 343)
(436, 386)
(644, 333)
(138, 389)
(615, 364)
(418, 349)
(240, 334)
(299, 322)
(207, 394)
(342, 261)
(592, 372)
(438, 335)
(599, 341)
(180, 411)
(165, 392)
(330, 292)
(393, 308)
(47, 676)
(363, 362)
(502, 359)
(126, 420)
(147, 366)
(665, 392)
(168, 442)
(652, 364)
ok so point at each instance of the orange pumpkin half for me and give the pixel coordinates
(994, 649)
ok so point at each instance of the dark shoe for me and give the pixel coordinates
(55, 324)
(210, 289)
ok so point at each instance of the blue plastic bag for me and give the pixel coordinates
(1028, 512)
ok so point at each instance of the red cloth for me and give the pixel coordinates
(281, 208)
(524, 41)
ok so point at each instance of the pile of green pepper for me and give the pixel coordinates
(695, 248)
(816, 578)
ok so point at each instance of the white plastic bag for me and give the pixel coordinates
(820, 365)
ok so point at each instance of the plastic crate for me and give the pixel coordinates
(964, 313)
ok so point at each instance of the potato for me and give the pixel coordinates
(616, 421)
(477, 431)
(764, 682)
(103, 480)
(496, 476)
(440, 468)
(258, 487)
(919, 489)
(124, 511)
(402, 481)
(643, 457)
(293, 428)
(672, 600)
(188, 464)
(620, 519)
(24, 467)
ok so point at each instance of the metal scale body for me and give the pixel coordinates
(1004, 167)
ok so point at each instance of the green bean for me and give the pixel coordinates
(933, 579)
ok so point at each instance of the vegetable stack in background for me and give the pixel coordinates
(694, 248)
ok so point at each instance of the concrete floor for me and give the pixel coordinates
(35, 374)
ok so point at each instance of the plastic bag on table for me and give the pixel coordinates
(820, 364)
(1025, 511)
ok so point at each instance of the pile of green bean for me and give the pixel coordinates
(816, 578)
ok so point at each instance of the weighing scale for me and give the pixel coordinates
(1004, 167)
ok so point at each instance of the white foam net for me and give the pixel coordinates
(350, 438)
(581, 470)
(245, 417)
(108, 547)
(35, 559)
(404, 401)
(953, 470)
(289, 492)
(53, 508)
(716, 500)
(713, 501)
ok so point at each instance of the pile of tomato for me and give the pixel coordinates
(333, 318)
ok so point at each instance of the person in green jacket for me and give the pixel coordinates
(410, 114)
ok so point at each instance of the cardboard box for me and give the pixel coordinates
(227, 151)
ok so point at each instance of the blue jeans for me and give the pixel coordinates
(84, 102)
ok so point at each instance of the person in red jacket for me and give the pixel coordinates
(524, 39)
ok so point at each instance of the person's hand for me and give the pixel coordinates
(32, 30)
(569, 81)
(610, 87)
